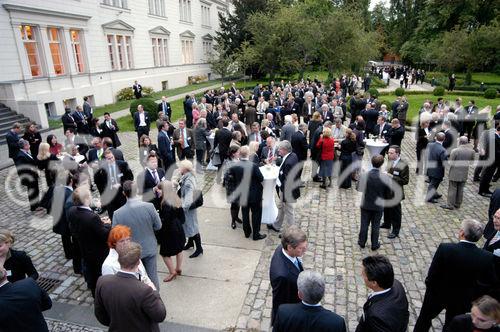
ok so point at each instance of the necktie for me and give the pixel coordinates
(495, 239)
(256, 138)
(155, 175)
(164, 107)
(269, 153)
(99, 154)
(297, 264)
(182, 138)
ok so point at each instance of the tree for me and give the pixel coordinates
(221, 64)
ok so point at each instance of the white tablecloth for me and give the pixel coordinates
(375, 147)
(269, 208)
(210, 166)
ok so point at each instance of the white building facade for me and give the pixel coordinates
(56, 52)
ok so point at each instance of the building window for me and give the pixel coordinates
(116, 3)
(160, 51)
(120, 52)
(187, 51)
(157, 7)
(207, 49)
(205, 15)
(31, 46)
(56, 50)
(185, 10)
(76, 46)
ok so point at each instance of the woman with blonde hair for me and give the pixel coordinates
(326, 144)
(171, 236)
(313, 124)
(46, 162)
(16, 261)
(253, 156)
(484, 316)
(187, 190)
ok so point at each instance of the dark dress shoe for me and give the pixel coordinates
(271, 227)
(247, 235)
(362, 246)
(385, 226)
(392, 236)
(233, 225)
(239, 221)
(485, 194)
(447, 207)
(376, 247)
(196, 254)
(317, 179)
(432, 200)
(437, 196)
(259, 237)
(476, 179)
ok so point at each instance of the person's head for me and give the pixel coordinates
(327, 132)
(82, 196)
(107, 142)
(255, 127)
(270, 141)
(303, 127)
(31, 127)
(16, 127)
(440, 137)
(288, 119)
(496, 220)
(23, 144)
(311, 286)
(185, 166)
(169, 195)
(383, 108)
(236, 135)
(394, 152)
(145, 140)
(349, 134)
(253, 146)
(338, 122)
(377, 272)
(43, 151)
(202, 123)
(269, 117)
(109, 156)
(140, 108)
(446, 125)
(234, 118)
(6, 241)
(377, 161)
(119, 235)
(52, 140)
(234, 151)
(471, 230)
(316, 116)
(95, 122)
(462, 140)
(244, 152)
(182, 123)
(107, 116)
(395, 123)
(129, 256)
(380, 120)
(129, 189)
(67, 110)
(284, 148)
(485, 313)
(152, 161)
(294, 241)
(70, 132)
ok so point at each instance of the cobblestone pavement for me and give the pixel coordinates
(60, 326)
(331, 218)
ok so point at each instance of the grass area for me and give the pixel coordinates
(416, 102)
(54, 124)
(477, 78)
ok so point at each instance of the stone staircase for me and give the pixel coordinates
(7, 118)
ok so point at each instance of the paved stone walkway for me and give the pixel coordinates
(331, 218)
(394, 84)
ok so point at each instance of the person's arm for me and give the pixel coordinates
(28, 267)
(115, 125)
(45, 301)
(153, 306)
(155, 217)
(99, 310)
(434, 269)
(404, 176)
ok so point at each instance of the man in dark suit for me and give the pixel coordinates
(370, 115)
(184, 141)
(22, 303)
(82, 123)
(436, 156)
(123, 302)
(299, 145)
(489, 230)
(68, 120)
(164, 106)
(285, 268)
(27, 171)
(450, 136)
(248, 181)
(165, 150)
(142, 122)
(222, 140)
(12, 139)
(399, 172)
(87, 109)
(470, 118)
(107, 144)
(288, 186)
(287, 130)
(375, 188)
(493, 239)
(396, 133)
(387, 306)
(459, 273)
(326, 114)
(110, 129)
(137, 90)
(493, 164)
(382, 128)
(148, 181)
(109, 179)
(308, 315)
(96, 154)
(308, 108)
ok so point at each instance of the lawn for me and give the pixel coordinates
(477, 78)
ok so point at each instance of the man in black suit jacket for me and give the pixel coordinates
(308, 315)
(110, 129)
(165, 150)
(107, 144)
(22, 303)
(459, 273)
(450, 136)
(222, 140)
(370, 116)
(288, 186)
(164, 106)
(326, 114)
(27, 171)
(375, 188)
(489, 230)
(387, 307)
(436, 156)
(142, 122)
(149, 180)
(396, 133)
(248, 183)
(137, 90)
(109, 179)
(285, 268)
(87, 109)
(299, 145)
(399, 172)
(68, 120)
(382, 128)
(12, 139)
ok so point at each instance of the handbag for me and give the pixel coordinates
(216, 161)
(198, 199)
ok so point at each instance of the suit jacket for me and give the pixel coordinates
(265, 152)
(111, 132)
(190, 139)
(387, 312)
(328, 117)
(117, 153)
(459, 161)
(223, 139)
(305, 109)
(26, 168)
(92, 155)
(90, 232)
(124, 303)
(459, 273)
(165, 149)
(137, 120)
(422, 139)
(298, 317)
(436, 156)
(248, 177)
(101, 176)
(400, 175)
(22, 304)
(374, 186)
(287, 132)
(489, 230)
(61, 202)
(299, 145)
(283, 275)
(396, 135)
(463, 323)
(146, 182)
(137, 90)
(315, 151)
(385, 130)
(291, 190)
(450, 139)
(87, 110)
(68, 121)
(167, 109)
(254, 137)
(370, 117)
(12, 142)
(20, 266)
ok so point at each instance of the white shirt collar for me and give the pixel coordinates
(86, 207)
(292, 259)
(4, 283)
(68, 187)
(311, 305)
(379, 293)
(468, 242)
(135, 274)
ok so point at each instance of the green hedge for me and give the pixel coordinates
(149, 105)
(373, 92)
(399, 92)
(128, 93)
(490, 94)
(438, 91)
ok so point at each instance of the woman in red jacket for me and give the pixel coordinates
(327, 145)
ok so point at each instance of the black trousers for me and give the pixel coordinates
(432, 306)
(489, 171)
(67, 246)
(479, 168)
(91, 272)
(235, 210)
(392, 217)
(433, 187)
(256, 209)
(185, 153)
(142, 130)
(33, 193)
(369, 217)
(199, 158)
(77, 256)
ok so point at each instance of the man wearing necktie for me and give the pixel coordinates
(164, 107)
(184, 140)
(286, 266)
(142, 122)
(28, 174)
(148, 181)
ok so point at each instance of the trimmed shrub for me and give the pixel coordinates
(468, 78)
(399, 92)
(373, 92)
(147, 91)
(128, 93)
(438, 91)
(149, 106)
(490, 93)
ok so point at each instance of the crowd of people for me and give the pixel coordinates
(279, 126)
